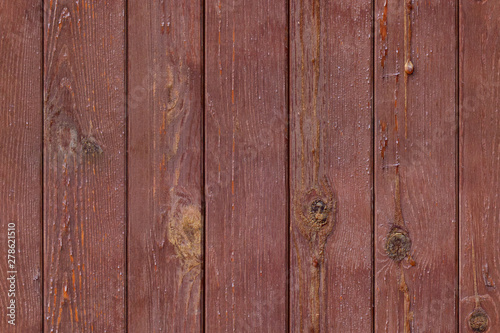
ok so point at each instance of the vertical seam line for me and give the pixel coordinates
(127, 132)
(373, 163)
(203, 282)
(457, 161)
(288, 174)
(42, 177)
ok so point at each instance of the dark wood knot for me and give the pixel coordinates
(398, 244)
(478, 320)
(91, 147)
(319, 211)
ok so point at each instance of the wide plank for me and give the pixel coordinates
(479, 166)
(415, 166)
(84, 166)
(246, 157)
(331, 166)
(20, 166)
(165, 239)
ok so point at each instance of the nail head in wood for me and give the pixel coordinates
(409, 67)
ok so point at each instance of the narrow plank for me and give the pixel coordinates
(165, 166)
(246, 166)
(84, 166)
(415, 166)
(331, 166)
(479, 166)
(20, 166)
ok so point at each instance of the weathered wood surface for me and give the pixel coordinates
(331, 166)
(246, 157)
(84, 166)
(20, 163)
(165, 166)
(287, 169)
(479, 165)
(415, 166)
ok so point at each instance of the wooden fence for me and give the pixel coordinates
(249, 166)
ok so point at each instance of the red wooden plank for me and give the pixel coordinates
(165, 166)
(20, 166)
(479, 166)
(246, 166)
(415, 166)
(331, 166)
(84, 166)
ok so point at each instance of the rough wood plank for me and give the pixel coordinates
(415, 166)
(84, 166)
(246, 166)
(479, 165)
(331, 166)
(20, 165)
(165, 166)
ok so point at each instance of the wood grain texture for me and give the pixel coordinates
(376, 214)
(415, 165)
(246, 166)
(165, 166)
(84, 166)
(331, 166)
(20, 162)
(479, 162)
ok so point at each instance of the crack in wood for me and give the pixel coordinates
(408, 315)
(409, 68)
(478, 319)
(398, 246)
(315, 216)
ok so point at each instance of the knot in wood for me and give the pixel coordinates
(319, 212)
(478, 320)
(315, 212)
(91, 147)
(185, 233)
(398, 244)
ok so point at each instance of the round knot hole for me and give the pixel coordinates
(91, 147)
(398, 244)
(319, 211)
(478, 320)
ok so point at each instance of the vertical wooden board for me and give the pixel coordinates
(84, 166)
(415, 167)
(479, 165)
(246, 166)
(331, 166)
(20, 166)
(165, 166)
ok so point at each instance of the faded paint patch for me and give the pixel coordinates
(67, 139)
(184, 233)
